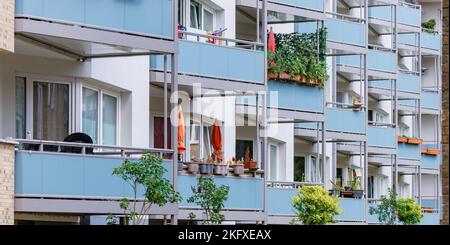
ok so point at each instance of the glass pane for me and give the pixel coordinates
(273, 162)
(241, 148)
(195, 15)
(20, 108)
(109, 124)
(90, 114)
(299, 169)
(50, 111)
(208, 20)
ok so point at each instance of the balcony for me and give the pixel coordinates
(430, 219)
(431, 100)
(89, 29)
(346, 121)
(244, 194)
(431, 156)
(353, 210)
(380, 63)
(316, 5)
(384, 13)
(124, 16)
(294, 97)
(383, 137)
(408, 39)
(408, 83)
(409, 151)
(408, 14)
(279, 201)
(431, 41)
(215, 64)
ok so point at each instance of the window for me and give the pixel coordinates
(404, 129)
(299, 169)
(202, 17)
(195, 133)
(93, 113)
(195, 15)
(50, 111)
(241, 148)
(315, 170)
(339, 177)
(21, 108)
(370, 183)
(376, 116)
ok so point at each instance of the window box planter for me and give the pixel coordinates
(415, 141)
(434, 152)
(402, 139)
(334, 192)
(206, 168)
(220, 169)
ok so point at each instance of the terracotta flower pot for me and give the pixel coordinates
(271, 75)
(220, 169)
(285, 76)
(193, 168)
(251, 165)
(238, 169)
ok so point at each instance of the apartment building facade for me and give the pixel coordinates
(118, 70)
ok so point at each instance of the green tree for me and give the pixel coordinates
(409, 211)
(314, 206)
(210, 198)
(147, 173)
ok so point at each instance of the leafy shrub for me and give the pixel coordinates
(409, 211)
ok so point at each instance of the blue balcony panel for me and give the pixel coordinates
(381, 137)
(292, 96)
(341, 120)
(153, 18)
(71, 175)
(430, 100)
(279, 201)
(353, 210)
(381, 12)
(409, 151)
(346, 32)
(317, 5)
(407, 38)
(430, 41)
(429, 203)
(245, 193)
(197, 58)
(408, 83)
(383, 84)
(376, 60)
(306, 125)
(430, 219)
(430, 161)
(408, 16)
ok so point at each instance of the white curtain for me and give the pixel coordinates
(90, 114)
(109, 123)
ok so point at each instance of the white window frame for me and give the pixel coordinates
(101, 92)
(202, 7)
(306, 166)
(29, 112)
(276, 163)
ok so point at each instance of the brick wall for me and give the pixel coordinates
(6, 183)
(445, 119)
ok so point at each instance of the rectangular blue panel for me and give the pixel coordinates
(307, 4)
(152, 18)
(292, 96)
(430, 40)
(352, 210)
(382, 61)
(381, 137)
(408, 15)
(245, 193)
(372, 218)
(430, 100)
(346, 32)
(306, 125)
(381, 13)
(384, 84)
(72, 175)
(430, 219)
(197, 58)
(279, 201)
(408, 83)
(341, 120)
(429, 203)
(408, 151)
(408, 39)
(430, 161)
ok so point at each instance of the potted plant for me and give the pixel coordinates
(252, 165)
(220, 168)
(238, 167)
(429, 25)
(336, 190)
(206, 167)
(356, 187)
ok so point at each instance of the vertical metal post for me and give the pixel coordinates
(258, 136)
(165, 104)
(317, 152)
(174, 81)
(258, 35)
(264, 108)
(324, 152)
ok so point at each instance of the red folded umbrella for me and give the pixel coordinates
(181, 146)
(271, 43)
(216, 142)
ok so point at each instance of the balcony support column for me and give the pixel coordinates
(7, 158)
(264, 150)
(174, 119)
(166, 131)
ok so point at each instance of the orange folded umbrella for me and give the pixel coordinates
(181, 146)
(271, 43)
(216, 142)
